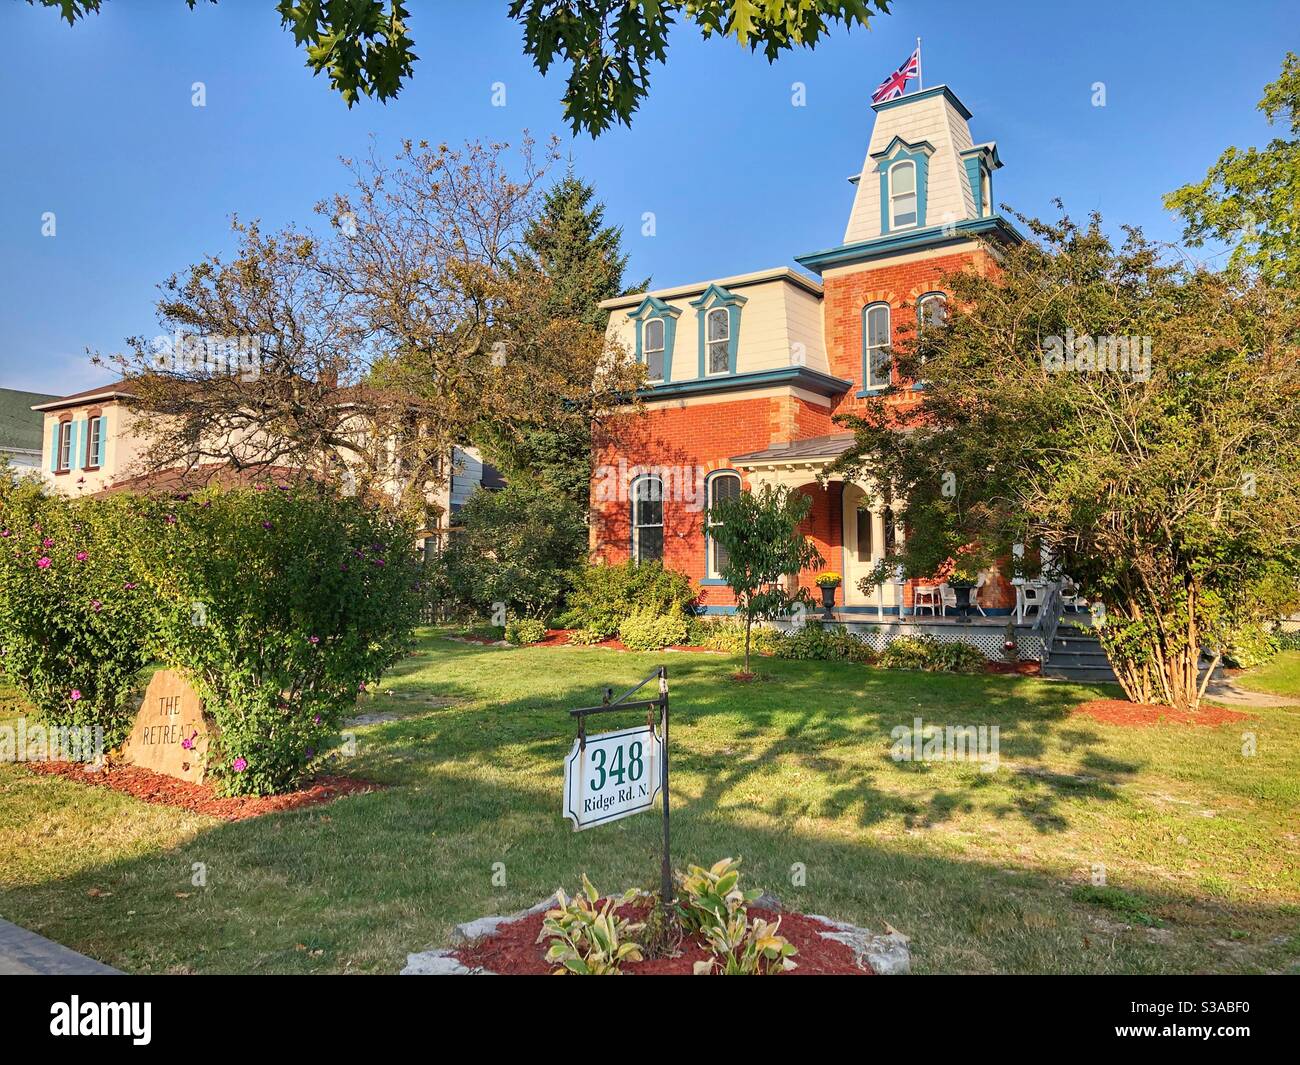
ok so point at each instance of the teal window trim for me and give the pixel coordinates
(709, 482)
(633, 542)
(899, 151)
(649, 308)
(55, 432)
(868, 385)
(713, 298)
(975, 178)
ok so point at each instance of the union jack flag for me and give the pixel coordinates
(895, 85)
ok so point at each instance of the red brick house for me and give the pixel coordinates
(748, 372)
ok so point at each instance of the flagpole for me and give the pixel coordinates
(920, 82)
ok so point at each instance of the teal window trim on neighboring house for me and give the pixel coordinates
(652, 308)
(712, 574)
(900, 151)
(712, 299)
(96, 428)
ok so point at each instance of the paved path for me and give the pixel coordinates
(1223, 690)
(24, 953)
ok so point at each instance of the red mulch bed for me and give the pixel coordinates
(1142, 715)
(514, 950)
(148, 786)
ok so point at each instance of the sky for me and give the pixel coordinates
(98, 127)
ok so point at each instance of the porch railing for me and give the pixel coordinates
(1049, 618)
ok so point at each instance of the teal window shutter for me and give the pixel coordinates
(54, 448)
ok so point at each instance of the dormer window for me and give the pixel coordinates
(902, 195)
(718, 332)
(652, 341)
(656, 325)
(718, 313)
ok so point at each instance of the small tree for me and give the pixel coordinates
(762, 545)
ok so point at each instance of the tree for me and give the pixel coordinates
(580, 262)
(365, 353)
(762, 546)
(608, 45)
(515, 547)
(1138, 419)
(1251, 199)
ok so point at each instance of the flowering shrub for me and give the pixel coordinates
(72, 620)
(280, 604)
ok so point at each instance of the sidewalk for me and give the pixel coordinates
(24, 953)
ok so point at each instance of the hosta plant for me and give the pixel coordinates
(741, 948)
(709, 898)
(588, 937)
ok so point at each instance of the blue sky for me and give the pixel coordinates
(98, 127)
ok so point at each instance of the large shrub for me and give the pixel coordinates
(603, 597)
(279, 604)
(514, 547)
(72, 619)
(648, 631)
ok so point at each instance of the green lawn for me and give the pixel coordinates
(987, 872)
(1281, 676)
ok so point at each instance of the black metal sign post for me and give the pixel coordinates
(660, 703)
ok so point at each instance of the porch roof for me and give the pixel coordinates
(810, 449)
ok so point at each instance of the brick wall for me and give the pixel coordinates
(702, 437)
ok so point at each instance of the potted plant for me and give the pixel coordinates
(828, 582)
(961, 579)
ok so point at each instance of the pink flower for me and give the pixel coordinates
(313, 640)
(6, 534)
(239, 765)
(96, 605)
(47, 542)
(316, 720)
(43, 562)
(82, 556)
(75, 695)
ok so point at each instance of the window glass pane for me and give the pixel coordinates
(891, 533)
(650, 545)
(905, 210)
(718, 358)
(878, 326)
(653, 337)
(723, 487)
(719, 325)
(654, 362)
(720, 558)
(934, 311)
(902, 179)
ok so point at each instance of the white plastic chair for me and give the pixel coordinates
(1071, 596)
(1031, 597)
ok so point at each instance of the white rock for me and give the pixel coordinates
(438, 963)
(885, 955)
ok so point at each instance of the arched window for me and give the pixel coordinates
(721, 486)
(902, 195)
(718, 337)
(875, 346)
(648, 519)
(931, 311)
(652, 347)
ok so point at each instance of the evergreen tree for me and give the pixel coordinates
(582, 259)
